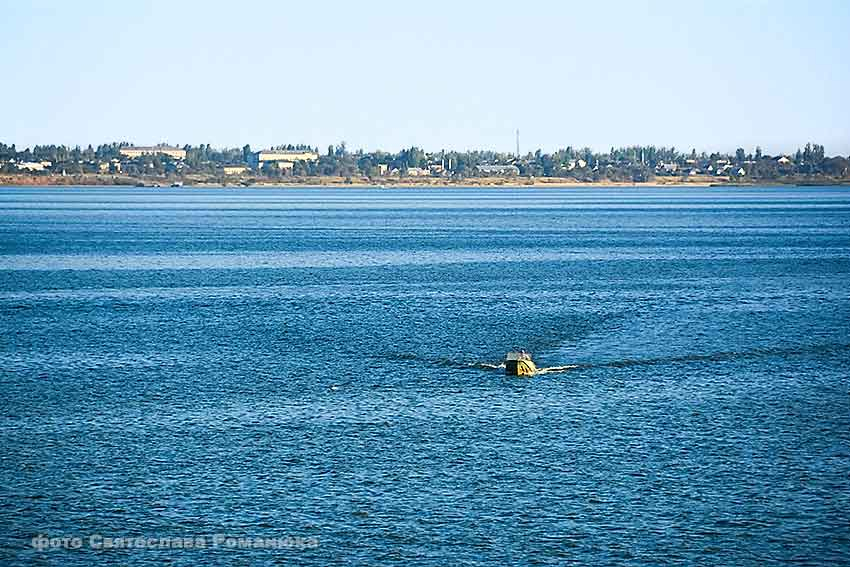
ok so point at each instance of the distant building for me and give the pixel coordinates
(234, 169)
(417, 172)
(505, 170)
(33, 165)
(382, 168)
(284, 159)
(112, 166)
(783, 160)
(741, 172)
(133, 152)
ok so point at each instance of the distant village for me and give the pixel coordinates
(123, 163)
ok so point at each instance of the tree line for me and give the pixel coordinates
(630, 163)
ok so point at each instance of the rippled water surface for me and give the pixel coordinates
(316, 363)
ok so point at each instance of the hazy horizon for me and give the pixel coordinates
(711, 76)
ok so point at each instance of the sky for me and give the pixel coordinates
(710, 75)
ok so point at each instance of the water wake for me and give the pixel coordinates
(557, 369)
(488, 366)
(722, 356)
(632, 362)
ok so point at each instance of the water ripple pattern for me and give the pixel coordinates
(324, 365)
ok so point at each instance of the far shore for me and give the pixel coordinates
(95, 180)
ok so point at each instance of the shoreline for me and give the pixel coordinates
(98, 180)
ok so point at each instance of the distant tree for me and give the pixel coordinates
(758, 153)
(412, 157)
(366, 166)
(836, 166)
(246, 153)
(270, 169)
(328, 165)
(740, 155)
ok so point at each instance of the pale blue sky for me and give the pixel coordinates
(438, 74)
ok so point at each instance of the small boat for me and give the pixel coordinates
(519, 363)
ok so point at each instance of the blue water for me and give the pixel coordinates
(313, 363)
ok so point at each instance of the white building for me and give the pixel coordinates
(284, 159)
(133, 152)
(497, 169)
(33, 165)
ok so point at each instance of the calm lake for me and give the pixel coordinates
(317, 364)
